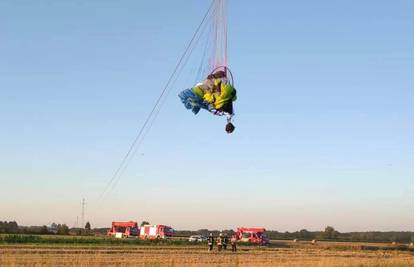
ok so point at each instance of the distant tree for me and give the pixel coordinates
(102, 231)
(329, 233)
(54, 228)
(401, 237)
(144, 223)
(9, 227)
(203, 232)
(62, 229)
(88, 226)
(13, 227)
(305, 234)
(44, 230)
(229, 232)
(65, 229)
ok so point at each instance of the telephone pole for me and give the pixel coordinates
(83, 213)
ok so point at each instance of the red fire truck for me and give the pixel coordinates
(156, 232)
(124, 229)
(252, 235)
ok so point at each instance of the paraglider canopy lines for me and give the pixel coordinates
(155, 110)
(219, 36)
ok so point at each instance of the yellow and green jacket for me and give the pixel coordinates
(227, 94)
(197, 90)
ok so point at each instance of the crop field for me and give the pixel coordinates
(284, 254)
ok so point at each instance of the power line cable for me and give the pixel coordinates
(157, 102)
(158, 109)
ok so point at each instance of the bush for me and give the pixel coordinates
(20, 239)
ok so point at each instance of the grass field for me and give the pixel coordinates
(281, 253)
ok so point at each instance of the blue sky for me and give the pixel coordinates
(324, 115)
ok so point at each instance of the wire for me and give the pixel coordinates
(122, 165)
(159, 107)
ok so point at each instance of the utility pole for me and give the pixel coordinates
(83, 213)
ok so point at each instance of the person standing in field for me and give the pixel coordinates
(220, 242)
(210, 242)
(225, 241)
(233, 242)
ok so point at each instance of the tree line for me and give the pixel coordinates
(329, 233)
(59, 229)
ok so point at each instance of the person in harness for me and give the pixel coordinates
(214, 94)
(221, 98)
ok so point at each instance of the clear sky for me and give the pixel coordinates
(324, 115)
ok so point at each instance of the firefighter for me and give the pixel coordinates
(225, 241)
(233, 242)
(220, 242)
(210, 242)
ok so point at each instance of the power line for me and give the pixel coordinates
(155, 115)
(83, 203)
(123, 164)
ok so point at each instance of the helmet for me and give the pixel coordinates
(230, 128)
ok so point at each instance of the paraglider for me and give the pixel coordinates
(216, 93)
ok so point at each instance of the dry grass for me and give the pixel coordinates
(195, 256)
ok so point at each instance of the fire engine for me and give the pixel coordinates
(124, 229)
(156, 232)
(252, 235)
